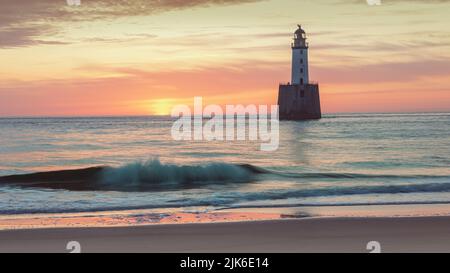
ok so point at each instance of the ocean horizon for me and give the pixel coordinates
(325, 114)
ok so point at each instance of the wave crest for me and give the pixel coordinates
(153, 174)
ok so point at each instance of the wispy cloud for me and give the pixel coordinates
(22, 22)
(240, 82)
(382, 72)
(11, 37)
(16, 11)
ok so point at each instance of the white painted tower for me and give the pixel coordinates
(300, 99)
(300, 73)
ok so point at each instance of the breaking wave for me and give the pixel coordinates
(156, 176)
(140, 176)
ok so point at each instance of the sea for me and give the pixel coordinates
(340, 160)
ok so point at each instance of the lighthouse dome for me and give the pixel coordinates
(300, 31)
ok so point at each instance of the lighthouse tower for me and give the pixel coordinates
(300, 99)
(300, 73)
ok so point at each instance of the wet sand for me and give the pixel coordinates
(413, 234)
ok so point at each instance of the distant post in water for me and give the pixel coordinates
(299, 99)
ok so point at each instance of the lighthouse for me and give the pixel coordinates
(299, 99)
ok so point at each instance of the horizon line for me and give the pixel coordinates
(153, 115)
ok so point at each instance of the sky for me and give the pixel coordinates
(136, 57)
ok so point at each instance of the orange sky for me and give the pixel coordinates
(109, 57)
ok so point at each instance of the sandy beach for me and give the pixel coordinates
(421, 234)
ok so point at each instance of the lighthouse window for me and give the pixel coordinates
(301, 61)
(301, 70)
(302, 93)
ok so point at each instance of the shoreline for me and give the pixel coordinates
(201, 215)
(336, 235)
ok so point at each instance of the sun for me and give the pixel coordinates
(161, 107)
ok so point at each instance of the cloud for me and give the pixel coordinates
(11, 37)
(16, 11)
(389, 46)
(245, 82)
(382, 72)
(254, 82)
(22, 22)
